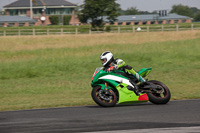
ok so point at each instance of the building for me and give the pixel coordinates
(42, 9)
(6, 21)
(150, 19)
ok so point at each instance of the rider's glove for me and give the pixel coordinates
(116, 66)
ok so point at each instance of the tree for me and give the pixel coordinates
(197, 16)
(132, 11)
(182, 10)
(194, 10)
(54, 20)
(145, 12)
(66, 19)
(98, 10)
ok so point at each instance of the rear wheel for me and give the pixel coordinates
(104, 98)
(162, 96)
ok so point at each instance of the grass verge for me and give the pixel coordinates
(55, 71)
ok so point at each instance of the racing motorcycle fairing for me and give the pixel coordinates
(119, 83)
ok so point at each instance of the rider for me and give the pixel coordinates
(110, 64)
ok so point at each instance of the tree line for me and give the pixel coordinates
(192, 12)
(95, 11)
(179, 9)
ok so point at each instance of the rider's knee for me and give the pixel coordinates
(128, 67)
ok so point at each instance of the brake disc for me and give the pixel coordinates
(104, 96)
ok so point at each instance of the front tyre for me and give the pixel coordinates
(160, 97)
(104, 99)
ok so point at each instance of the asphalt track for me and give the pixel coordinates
(174, 116)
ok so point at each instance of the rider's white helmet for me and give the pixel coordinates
(106, 58)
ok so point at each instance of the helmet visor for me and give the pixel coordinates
(103, 60)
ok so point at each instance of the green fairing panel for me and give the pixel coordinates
(144, 72)
(113, 73)
(126, 95)
(99, 74)
(110, 82)
(103, 73)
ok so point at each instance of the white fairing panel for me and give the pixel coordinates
(119, 79)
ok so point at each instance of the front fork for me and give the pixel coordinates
(106, 90)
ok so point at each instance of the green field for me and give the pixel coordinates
(56, 71)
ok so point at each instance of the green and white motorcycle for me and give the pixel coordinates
(110, 88)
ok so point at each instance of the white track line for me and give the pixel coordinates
(156, 130)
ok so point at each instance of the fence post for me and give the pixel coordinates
(177, 27)
(162, 28)
(90, 31)
(147, 28)
(61, 31)
(192, 26)
(76, 31)
(48, 31)
(4, 33)
(118, 29)
(33, 32)
(19, 32)
(133, 29)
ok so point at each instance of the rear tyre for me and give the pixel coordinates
(162, 97)
(103, 99)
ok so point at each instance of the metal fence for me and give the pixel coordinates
(108, 29)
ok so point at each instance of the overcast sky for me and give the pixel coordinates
(142, 5)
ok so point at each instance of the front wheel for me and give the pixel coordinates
(102, 98)
(161, 96)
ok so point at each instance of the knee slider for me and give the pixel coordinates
(128, 67)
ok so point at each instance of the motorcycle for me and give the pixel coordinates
(115, 87)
